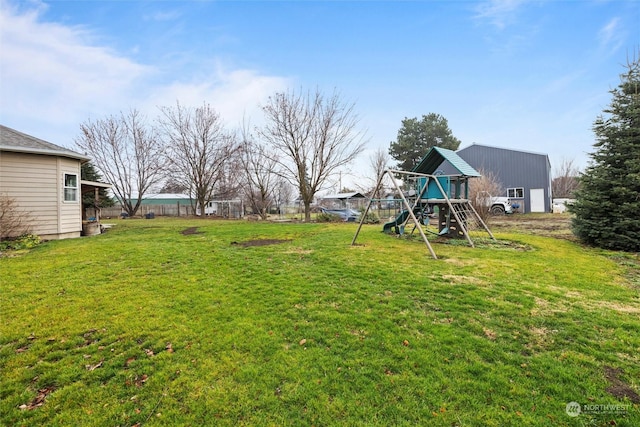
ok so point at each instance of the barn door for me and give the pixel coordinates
(536, 199)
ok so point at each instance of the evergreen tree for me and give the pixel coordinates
(607, 209)
(88, 172)
(416, 137)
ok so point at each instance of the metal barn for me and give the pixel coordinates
(525, 176)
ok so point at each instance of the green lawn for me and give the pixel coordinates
(145, 325)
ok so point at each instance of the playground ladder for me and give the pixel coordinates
(466, 218)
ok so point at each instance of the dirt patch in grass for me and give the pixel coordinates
(189, 231)
(259, 242)
(502, 244)
(617, 387)
(548, 225)
(487, 243)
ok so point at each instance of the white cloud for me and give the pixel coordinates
(499, 13)
(611, 36)
(232, 93)
(169, 15)
(53, 71)
(53, 77)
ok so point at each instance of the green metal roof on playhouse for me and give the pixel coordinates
(436, 156)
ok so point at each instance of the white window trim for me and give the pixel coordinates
(65, 188)
(515, 192)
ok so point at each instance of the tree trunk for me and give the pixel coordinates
(307, 211)
(202, 207)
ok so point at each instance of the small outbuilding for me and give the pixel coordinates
(345, 200)
(43, 181)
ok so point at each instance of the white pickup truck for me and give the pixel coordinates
(495, 205)
(500, 206)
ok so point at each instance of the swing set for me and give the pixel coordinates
(448, 194)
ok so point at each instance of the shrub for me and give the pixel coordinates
(327, 217)
(13, 222)
(481, 189)
(25, 241)
(371, 217)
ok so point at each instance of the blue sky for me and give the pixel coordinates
(529, 75)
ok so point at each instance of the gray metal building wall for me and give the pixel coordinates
(513, 169)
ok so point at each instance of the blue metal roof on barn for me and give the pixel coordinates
(434, 158)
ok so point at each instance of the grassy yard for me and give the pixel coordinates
(196, 322)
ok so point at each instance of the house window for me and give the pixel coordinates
(70, 187)
(515, 193)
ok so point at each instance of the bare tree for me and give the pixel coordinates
(565, 181)
(260, 174)
(312, 136)
(283, 193)
(173, 185)
(230, 176)
(128, 153)
(481, 190)
(379, 162)
(13, 221)
(197, 149)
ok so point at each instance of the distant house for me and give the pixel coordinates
(43, 179)
(344, 200)
(524, 176)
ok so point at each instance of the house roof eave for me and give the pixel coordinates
(15, 141)
(89, 186)
(59, 153)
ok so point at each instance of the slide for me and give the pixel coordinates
(400, 219)
(394, 225)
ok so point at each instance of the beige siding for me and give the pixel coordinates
(70, 212)
(36, 183)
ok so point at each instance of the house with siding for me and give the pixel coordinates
(43, 180)
(525, 177)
